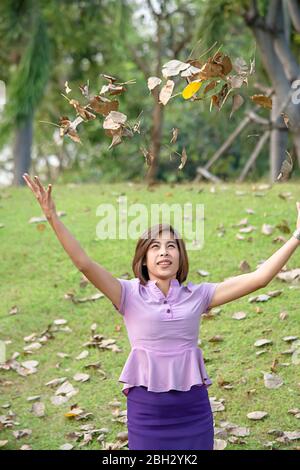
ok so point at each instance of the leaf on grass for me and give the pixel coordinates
(257, 415)
(79, 377)
(262, 342)
(272, 381)
(38, 409)
(239, 315)
(82, 355)
(267, 229)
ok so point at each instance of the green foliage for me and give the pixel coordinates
(26, 88)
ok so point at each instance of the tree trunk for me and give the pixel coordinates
(278, 140)
(22, 151)
(282, 68)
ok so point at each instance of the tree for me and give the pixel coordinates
(172, 25)
(273, 24)
(26, 87)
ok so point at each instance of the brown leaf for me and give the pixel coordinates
(183, 159)
(286, 169)
(262, 100)
(237, 101)
(82, 111)
(103, 105)
(148, 156)
(175, 131)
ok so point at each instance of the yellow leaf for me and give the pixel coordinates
(191, 89)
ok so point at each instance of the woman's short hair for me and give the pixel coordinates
(140, 270)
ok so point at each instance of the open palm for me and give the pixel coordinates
(42, 195)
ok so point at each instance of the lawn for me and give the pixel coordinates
(36, 275)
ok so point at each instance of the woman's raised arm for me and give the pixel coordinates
(97, 275)
(238, 286)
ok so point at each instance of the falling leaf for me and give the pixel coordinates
(175, 131)
(67, 88)
(237, 101)
(100, 104)
(191, 89)
(174, 67)
(262, 100)
(286, 169)
(153, 82)
(147, 155)
(183, 159)
(85, 89)
(82, 111)
(166, 92)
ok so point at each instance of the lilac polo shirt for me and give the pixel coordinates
(163, 334)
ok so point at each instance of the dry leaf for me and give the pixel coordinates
(183, 159)
(262, 100)
(153, 82)
(191, 89)
(166, 92)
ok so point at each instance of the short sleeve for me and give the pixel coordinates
(126, 286)
(206, 291)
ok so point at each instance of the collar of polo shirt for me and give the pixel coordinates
(173, 283)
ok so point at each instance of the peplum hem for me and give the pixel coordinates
(161, 371)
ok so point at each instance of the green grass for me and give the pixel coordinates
(36, 273)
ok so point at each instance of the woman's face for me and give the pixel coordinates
(163, 248)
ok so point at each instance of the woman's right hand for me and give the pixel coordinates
(42, 195)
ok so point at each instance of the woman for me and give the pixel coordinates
(165, 380)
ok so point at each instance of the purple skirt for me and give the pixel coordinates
(172, 420)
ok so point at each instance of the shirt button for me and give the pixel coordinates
(168, 310)
(165, 301)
